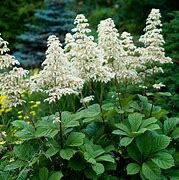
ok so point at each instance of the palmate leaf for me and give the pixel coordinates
(151, 142)
(133, 168)
(151, 171)
(135, 121)
(163, 160)
(123, 127)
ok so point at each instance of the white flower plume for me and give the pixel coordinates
(6, 60)
(58, 77)
(85, 54)
(153, 40)
(12, 82)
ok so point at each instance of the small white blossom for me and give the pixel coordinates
(58, 77)
(158, 86)
(87, 99)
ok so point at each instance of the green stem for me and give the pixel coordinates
(117, 89)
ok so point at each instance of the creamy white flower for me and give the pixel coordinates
(12, 85)
(6, 60)
(120, 52)
(153, 40)
(85, 54)
(158, 86)
(87, 99)
(58, 77)
(12, 81)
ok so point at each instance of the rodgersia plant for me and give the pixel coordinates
(85, 54)
(12, 82)
(119, 52)
(58, 77)
(153, 53)
(102, 141)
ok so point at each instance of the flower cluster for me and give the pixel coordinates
(119, 51)
(58, 76)
(85, 53)
(82, 60)
(12, 82)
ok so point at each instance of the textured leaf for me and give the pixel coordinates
(89, 158)
(163, 160)
(135, 121)
(105, 157)
(43, 173)
(51, 151)
(126, 141)
(67, 153)
(68, 120)
(169, 125)
(123, 127)
(175, 133)
(75, 139)
(151, 171)
(56, 176)
(133, 168)
(120, 132)
(98, 168)
(15, 165)
(91, 111)
(24, 151)
(134, 152)
(147, 122)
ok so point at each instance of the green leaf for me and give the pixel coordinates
(68, 120)
(175, 133)
(163, 160)
(147, 122)
(51, 151)
(126, 141)
(98, 168)
(170, 124)
(43, 173)
(164, 94)
(151, 171)
(91, 111)
(120, 132)
(108, 106)
(133, 168)
(89, 158)
(135, 121)
(67, 153)
(46, 127)
(56, 176)
(123, 127)
(105, 157)
(75, 139)
(15, 165)
(24, 151)
(134, 152)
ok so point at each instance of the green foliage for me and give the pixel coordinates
(81, 143)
